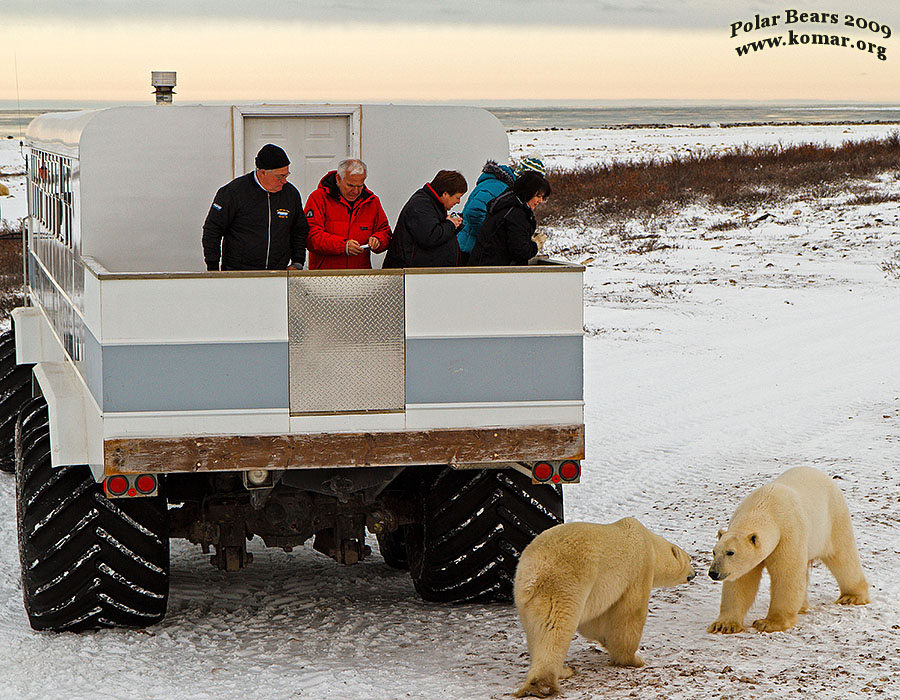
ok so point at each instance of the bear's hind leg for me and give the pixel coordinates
(843, 559)
(737, 597)
(549, 631)
(848, 573)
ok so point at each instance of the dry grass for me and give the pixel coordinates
(744, 175)
(10, 269)
(873, 198)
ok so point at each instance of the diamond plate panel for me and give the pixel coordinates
(346, 343)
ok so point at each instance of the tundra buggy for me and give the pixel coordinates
(145, 399)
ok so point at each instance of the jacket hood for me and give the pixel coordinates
(507, 200)
(329, 184)
(500, 172)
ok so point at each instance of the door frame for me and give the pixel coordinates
(239, 112)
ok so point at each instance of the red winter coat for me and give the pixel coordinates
(333, 221)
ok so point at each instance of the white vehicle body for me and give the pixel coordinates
(438, 409)
(151, 364)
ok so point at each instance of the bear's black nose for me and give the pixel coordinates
(714, 575)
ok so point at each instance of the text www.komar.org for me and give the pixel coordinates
(795, 38)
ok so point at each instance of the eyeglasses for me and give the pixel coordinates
(280, 178)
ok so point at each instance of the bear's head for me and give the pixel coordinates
(736, 553)
(672, 564)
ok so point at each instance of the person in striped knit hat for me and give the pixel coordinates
(494, 180)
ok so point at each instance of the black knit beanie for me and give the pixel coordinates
(271, 157)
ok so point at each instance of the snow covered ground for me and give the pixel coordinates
(574, 147)
(12, 168)
(711, 365)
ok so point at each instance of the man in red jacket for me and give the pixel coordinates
(346, 220)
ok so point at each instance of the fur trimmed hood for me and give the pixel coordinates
(502, 172)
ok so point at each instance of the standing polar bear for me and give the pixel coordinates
(595, 579)
(782, 527)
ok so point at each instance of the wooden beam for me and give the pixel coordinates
(212, 453)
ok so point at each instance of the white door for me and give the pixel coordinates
(314, 144)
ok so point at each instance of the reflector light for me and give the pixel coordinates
(569, 471)
(542, 471)
(132, 492)
(146, 483)
(556, 478)
(117, 485)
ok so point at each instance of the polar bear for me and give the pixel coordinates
(594, 579)
(782, 527)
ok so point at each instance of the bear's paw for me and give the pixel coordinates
(853, 599)
(538, 688)
(725, 627)
(768, 625)
(633, 661)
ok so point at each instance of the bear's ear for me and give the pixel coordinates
(754, 539)
(719, 535)
(675, 551)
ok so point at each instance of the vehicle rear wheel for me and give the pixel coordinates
(475, 525)
(87, 561)
(15, 390)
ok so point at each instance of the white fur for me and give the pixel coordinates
(782, 527)
(594, 579)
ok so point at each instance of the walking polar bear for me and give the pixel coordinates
(594, 579)
(782, 527)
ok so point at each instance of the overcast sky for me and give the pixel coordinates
(440, 51)
(535, 13)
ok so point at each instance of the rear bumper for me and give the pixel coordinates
(362, 449)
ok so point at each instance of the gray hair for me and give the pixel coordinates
(351, 166)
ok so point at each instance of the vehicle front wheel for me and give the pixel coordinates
(87, 561)
(475, 524)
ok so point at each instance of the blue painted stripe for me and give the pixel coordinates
(221, 376)
(92, 366)
(479, 370)
(196, 377)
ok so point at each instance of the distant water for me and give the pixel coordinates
(690, 115)
(14, 119)
(13, 122)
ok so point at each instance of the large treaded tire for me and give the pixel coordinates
(474, 527)
(15, 390)
(392, 546)
(87, 561)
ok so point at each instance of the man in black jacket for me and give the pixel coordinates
(425, 235)
(256, 221)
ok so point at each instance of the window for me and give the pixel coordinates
(50, 195)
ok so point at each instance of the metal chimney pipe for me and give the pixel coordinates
(164, 83)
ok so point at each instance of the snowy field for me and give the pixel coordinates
(712, 364)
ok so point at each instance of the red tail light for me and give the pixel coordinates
(542, 471)
(569, 470)
(116, 486)
(130, 485)
(145, 483)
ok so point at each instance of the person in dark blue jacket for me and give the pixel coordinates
(505, 237)
(493, 181)
(256, 221)
(425, 234)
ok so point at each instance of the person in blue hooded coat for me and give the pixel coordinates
(505, 237)
(494, 180)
